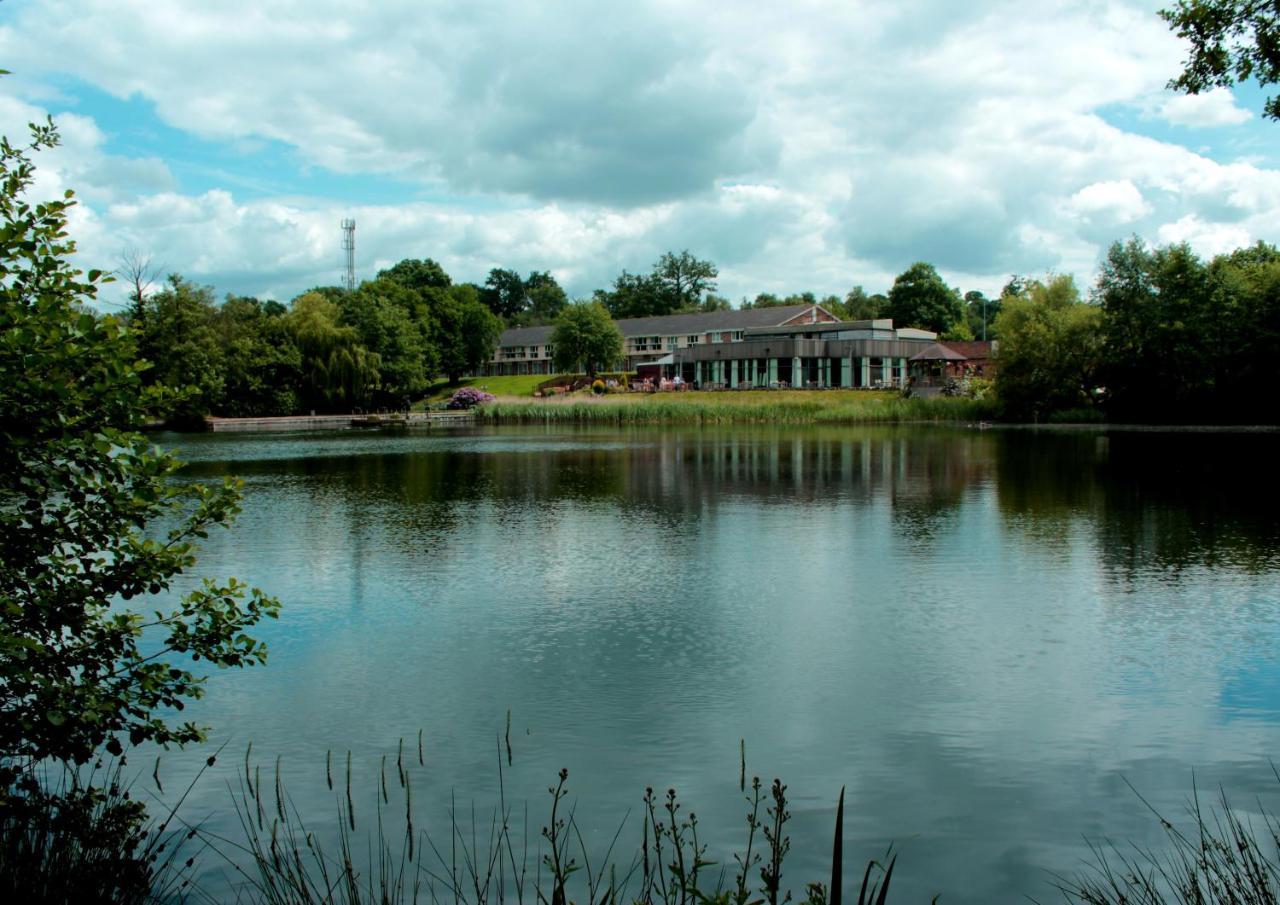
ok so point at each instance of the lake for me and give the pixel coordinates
(982, 634)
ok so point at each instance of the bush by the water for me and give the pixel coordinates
(469, 397)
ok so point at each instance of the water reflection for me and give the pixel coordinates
(979, 632)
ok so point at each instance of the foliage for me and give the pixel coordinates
(1050, 350)
(417, 275)
(585, 339)
(391, 325)
(1221, 857)
(91, 517)
(391, 858)
(546, 298)
(84, 837)
(1186, 339)
(176, 335)
(743, 407)
(338, 372)
(262, 368)
(980, 315)
(1231, 41)
(919, 298)
(467, 397)
(858, 306)
(683, 279)
(676, 283)
(465, 332)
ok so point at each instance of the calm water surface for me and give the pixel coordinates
(982, 634)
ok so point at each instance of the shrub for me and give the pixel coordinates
(598, 387)
(468, 397)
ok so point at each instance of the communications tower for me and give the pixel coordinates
(349, 254)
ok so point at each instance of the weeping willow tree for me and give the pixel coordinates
(338, 373)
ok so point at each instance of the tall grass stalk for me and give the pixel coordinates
(762, 408)
(493, 857)
(1221, 857)
(84, 835)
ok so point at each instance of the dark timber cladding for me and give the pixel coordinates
(869, 353)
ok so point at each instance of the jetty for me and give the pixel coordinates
(281, 423)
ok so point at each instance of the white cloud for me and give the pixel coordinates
(1113, 203)
(1216, 107)
(1204, 238)
(808, 146)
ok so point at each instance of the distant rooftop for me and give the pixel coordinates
(676, 324)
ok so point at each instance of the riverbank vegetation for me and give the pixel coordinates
(739, 407)
(1166, 337)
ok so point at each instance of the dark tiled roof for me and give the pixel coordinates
(525, 336)
(672, 324)
(970, 350)
(938, 352)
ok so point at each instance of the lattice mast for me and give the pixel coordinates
(349, 254)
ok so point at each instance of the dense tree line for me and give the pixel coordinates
(1166, 337)
(328, 350)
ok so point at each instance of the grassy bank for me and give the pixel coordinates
(744, 407)
(520, 385)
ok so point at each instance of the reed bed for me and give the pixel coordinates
(747, 407)
(381, 852)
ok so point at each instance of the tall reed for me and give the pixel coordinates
(389, 858)
(773, 408)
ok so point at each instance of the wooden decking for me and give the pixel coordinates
(339, 422)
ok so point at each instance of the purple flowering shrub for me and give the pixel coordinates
(466, 397)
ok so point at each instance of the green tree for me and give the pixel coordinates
(418, 275)
(465, 331)
(1188, 340)
(919, 298)
(261, 366)
(385, 316)
(177, 336)
(338, 373)
(681, 280)
(91, 517)
(1231, 41)
(546, 298)
(1050, 351)
(980, 314)
(586, 339)
(505, 294)
(634, 295)
(858, 306)
(764, 300)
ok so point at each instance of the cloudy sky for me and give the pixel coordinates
(800, 145)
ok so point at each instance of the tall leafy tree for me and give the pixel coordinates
(1050, 351)
(858, 306)
(177, 336)
(338, 373)
(682, 279)
(261, 366)
(419, 275)
(93, 525)
(465, 331)
(634, 295)
(546, 298)
(585, 339)
(1231, 41)
(920, 298)
(389, 325)
(1186, 339)
(980, 313)
(505, 294)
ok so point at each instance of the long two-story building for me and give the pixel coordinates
(527, 350)
(793, 346)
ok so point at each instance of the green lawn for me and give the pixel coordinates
(515, 386)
